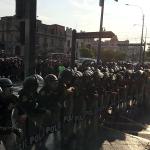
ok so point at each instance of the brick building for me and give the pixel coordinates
(10, 35)
(49, 38)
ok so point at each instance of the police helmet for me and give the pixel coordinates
(50, 78)
(78, 74)
(111, 70)
(128, 74)
(88, 73)
(106, 74)
(31, 82)
(67, 74)
(98, 74)
(51, 81)
(124, 68)
(116, 69)
(5, 83)
(88, 68)
(138, 74)
(119, 76)
(105, 69)
(78, 78)
(92, 68)
(147, 71)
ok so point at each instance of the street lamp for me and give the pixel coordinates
(101, 3)
(143, 17)
(144, 41)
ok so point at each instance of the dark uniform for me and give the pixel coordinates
(78, 103)
(26, 113)
(66, 91)
(48, 98)
(7, 103)
(89, 96)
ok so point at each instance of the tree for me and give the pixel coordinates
(106, 54)
(110, 55)
(86, 52)
(120, 55)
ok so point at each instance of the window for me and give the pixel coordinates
(52, 31)
(52, 42)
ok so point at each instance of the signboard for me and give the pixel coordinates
(86, 35)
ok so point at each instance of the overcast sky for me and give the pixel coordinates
(124, 21)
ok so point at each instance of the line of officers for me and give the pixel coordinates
(72, 102)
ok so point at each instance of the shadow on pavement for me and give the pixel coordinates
(93, 139)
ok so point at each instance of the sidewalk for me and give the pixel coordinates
(107, 139)
(128, 142)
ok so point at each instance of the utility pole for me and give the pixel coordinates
(26, 14)
(30, 32)
(73, 49)
(141, 46)
(101, 3)
(100, 32)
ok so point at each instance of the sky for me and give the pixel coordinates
(125, 21)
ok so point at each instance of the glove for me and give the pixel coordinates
(18, 132)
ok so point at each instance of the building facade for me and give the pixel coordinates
(10, 35)
(68, 43)
(131, 50)
(49, 38)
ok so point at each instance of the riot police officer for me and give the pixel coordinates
(89, 95)
(48, 97)
(78, 103)
(26, 113)
(7, 102)
(8, 99)
(66, 91)
(29, 94)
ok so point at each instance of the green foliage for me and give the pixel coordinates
(110, 55)
(86, 52)
(106, 55)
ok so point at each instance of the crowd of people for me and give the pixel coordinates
(12, 67)
(48, 66)
(71, 101)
